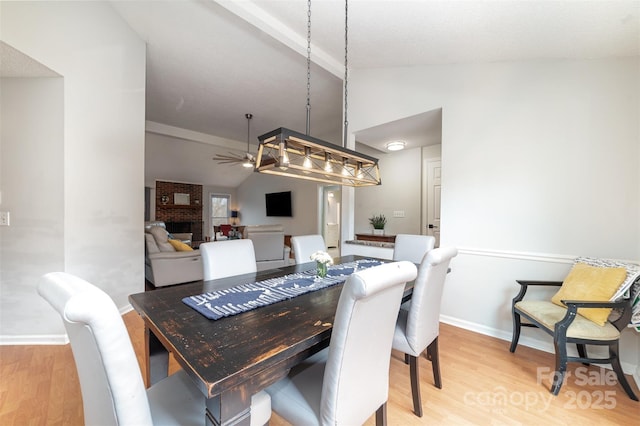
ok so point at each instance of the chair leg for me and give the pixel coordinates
(381, 415)
(415, 385)
(434, 357)
(582, 351)
(617, 368)
(561, 365)
(516, 331)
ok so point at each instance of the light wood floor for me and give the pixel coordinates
(483, 384)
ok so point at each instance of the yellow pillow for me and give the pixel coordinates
(180, 246)
(586, 282)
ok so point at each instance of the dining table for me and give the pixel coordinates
(234, 357)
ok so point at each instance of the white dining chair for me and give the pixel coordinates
(222, 259)
(304, 246)
(111, 383)
(412, 247)
(418, 327)
(349, 381)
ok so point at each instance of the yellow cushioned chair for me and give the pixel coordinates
(581, 313)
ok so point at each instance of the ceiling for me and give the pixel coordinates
(14, 63)
(209, 62)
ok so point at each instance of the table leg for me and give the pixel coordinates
(230, 408)
(157, 358)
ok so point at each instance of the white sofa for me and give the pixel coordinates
(163, 264)
(268, 243)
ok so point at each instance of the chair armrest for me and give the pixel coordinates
(174, 254)
(546, 283)
(621, 303)
(524, 285)
(572, 310)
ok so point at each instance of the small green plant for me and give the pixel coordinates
(378, 221)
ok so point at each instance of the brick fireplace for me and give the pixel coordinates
(179, 206)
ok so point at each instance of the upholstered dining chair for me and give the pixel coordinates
(223, 232)
(304, 246)
(417, 328)
(222, 259)
(589, 309)
(349, 381)
(112, 388)
(412, 247)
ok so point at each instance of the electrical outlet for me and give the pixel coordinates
(398, 213)
(4, 218)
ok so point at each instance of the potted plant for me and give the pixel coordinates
(378, 222)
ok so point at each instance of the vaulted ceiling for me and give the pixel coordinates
(209, 62)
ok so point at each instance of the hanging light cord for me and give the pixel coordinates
(248, 117)
(346, 68)
(308, 66)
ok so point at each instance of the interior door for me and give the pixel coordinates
(433, 174)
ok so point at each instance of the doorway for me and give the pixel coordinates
(330, 223)
(432, 171)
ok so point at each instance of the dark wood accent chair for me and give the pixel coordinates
(567, 326)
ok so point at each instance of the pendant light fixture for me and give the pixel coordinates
(289, 153)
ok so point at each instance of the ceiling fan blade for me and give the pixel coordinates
(233, 158)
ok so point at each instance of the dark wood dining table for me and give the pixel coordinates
(232, 358)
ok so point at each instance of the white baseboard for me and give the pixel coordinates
(126, 309)
(628, 368)
(46, 339)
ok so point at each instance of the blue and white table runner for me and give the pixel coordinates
(245, 297)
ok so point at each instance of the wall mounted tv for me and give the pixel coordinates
(278, 204)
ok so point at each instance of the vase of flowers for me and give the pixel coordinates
(378, 222)
(323, 260)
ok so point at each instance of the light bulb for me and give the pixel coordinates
(284, 157)
(307, 158)
(345, 170)
(327, 163)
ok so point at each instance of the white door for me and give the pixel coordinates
(433, 198)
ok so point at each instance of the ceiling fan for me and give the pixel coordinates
(247, 159)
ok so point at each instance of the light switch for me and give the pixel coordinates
(398, 213)
(4, 218)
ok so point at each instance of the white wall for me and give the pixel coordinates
(539, 163)
(32, 183)
(102, 63)
(305, 197)
(400, 173)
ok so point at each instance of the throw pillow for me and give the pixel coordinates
(586, 282)
(180, 246)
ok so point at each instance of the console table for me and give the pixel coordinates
(377, 238)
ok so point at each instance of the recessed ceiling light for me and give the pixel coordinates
(396, 145)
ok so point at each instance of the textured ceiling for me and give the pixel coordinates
(209, 62)
(14, 63)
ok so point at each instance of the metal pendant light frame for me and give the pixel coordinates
(285, 152)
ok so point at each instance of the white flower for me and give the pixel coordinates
(322, 257)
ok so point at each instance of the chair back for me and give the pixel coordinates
(268, 241)
(412, 247)
(423, 322)
(356, 377)
(222, 259)
(304, 246)
(225, 229)
(110, 380)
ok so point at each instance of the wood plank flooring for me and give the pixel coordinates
(483, 384)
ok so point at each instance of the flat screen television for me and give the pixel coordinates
(278, 204)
